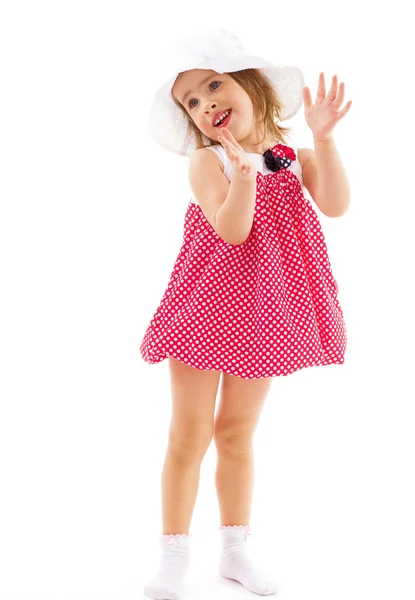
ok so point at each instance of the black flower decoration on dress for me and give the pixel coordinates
(275, 163)
(279, 157)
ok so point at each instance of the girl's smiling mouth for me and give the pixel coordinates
(224, 121)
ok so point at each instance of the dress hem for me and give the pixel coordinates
(339, 361)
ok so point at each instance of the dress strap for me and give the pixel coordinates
(220, 151)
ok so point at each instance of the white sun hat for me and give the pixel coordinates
(221, 51)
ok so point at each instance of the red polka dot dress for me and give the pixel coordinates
(265, 308)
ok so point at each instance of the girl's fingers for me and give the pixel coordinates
(231, 150)
(227, 145)
(226, 140)
(233, 154)
(231, 138)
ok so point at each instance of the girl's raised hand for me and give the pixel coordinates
(237, 154)
(323, 116)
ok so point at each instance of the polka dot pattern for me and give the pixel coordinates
(266, 308)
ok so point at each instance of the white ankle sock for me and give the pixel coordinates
(236, 564)
(174, 567)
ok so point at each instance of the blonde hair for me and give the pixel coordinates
(267, 107)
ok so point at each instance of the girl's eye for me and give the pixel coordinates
(211, 83)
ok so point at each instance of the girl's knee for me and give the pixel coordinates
(188, 445)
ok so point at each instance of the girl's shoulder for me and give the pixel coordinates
(207, 151)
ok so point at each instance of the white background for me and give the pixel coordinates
(91, 223)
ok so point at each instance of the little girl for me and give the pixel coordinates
(252, 295)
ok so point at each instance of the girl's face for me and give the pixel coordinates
(210, 93)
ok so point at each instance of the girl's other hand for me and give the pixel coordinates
(238, 156)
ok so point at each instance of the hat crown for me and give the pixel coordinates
(196, 48)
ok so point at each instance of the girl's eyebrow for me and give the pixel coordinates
(201, 83)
